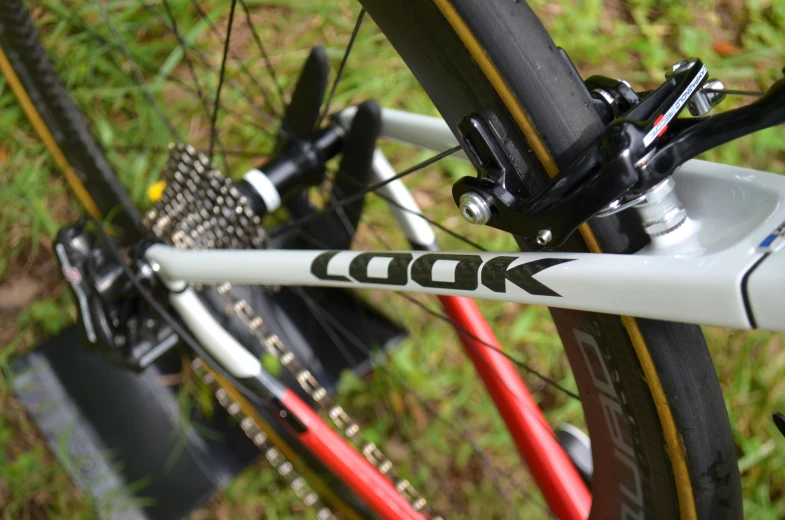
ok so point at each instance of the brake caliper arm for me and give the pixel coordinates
(634, 153)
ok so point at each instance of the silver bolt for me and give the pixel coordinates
(680, 67)
(544, 236)
(704, 100)
(625, 82)
(605, 95)
(662, 211)
(146, 270)
(475, 208)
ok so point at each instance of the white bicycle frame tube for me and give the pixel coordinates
(716, 269)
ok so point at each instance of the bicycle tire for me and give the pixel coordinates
(60, 124)
(498, 57)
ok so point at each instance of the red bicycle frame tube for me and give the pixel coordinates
(557, 478)
(347, 464)
(553, 471)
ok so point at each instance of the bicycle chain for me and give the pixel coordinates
(200, 209)
(343, 422)
(251, 429)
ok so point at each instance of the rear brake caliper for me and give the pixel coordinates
(638, 151)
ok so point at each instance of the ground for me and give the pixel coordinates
(740, 42)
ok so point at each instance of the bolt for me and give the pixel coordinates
(680, 67)
(625, 82)
(605, 95)
(706, 98)
(715, 84)
(146, 270)
(544, 236)
(662, 211)
(475, 208)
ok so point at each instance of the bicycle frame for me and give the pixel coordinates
(721, 268)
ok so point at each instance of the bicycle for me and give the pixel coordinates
(715, 263)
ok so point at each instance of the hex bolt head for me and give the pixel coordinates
(544, 236)
(679, 67)
(474, 208)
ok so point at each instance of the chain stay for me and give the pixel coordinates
(276, 459)
(342, 421)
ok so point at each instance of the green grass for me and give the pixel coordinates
(741, 44)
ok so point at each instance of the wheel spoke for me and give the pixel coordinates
(74, 19)
(243, 92)
(341, 68)
(464, 332)
(416, 213)
(137, 73)
(357, 196)
(200, 92)
(241, 63)
(267, 63)
(221, 75)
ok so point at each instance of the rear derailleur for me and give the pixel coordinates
(628, 165)
(115, 319)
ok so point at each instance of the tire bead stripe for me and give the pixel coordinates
(46, 136)
(509, 100)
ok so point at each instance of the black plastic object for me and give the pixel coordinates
(354, 174)
(779, 421)
(302, 114)
(578, 451)
(124, 436)
(115, 319)
(300, 152)
(306, 102)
